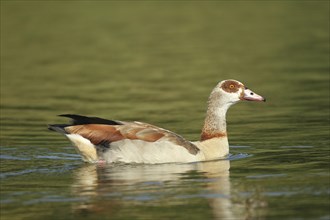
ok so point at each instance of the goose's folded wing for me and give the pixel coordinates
(104, 134)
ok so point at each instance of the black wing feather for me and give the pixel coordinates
(81, 120)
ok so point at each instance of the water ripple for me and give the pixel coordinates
(9, 157)
(239, 156)
(289, 147)
(53, 199)
(37, 170)
(266, 176)
(56, 157)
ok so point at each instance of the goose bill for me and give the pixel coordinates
(252, 96)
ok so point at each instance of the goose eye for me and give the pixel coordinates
(231, 86)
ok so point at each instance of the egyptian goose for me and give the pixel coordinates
(100, 140)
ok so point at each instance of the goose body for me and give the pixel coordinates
(102, 140)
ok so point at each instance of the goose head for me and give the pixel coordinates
(229, 92)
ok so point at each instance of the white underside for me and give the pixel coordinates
(137, 151)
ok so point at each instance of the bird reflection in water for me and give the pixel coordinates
(116, 190)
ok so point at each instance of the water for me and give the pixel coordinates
(157, 62)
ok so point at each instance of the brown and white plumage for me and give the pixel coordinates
(97, 139)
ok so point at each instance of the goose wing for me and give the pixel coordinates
(103, 132)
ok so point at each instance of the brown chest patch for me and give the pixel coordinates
(207, 136)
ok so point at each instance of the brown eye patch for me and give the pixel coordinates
(231, 86)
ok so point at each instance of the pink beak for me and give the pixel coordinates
(251, 96)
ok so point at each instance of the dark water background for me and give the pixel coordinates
(157, 62)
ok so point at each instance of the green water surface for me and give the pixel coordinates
(157, 62)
